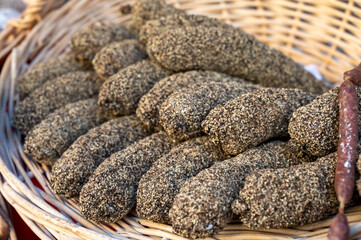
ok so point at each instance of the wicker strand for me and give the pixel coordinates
(16, 29)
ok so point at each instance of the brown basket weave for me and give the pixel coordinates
(325, 33)
(16, 30)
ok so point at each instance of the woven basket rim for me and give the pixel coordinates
(38, 206)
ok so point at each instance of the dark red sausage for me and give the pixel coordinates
(353, 75)
(339, 229)
(347, 154)
(347, 144)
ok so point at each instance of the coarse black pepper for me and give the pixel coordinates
(87, 42)
(53, 95)
(145, 10)
(52, 136)
(150, 103)
(288, 197)
(230, 51)
(316, 124)
(111, 191)
(182, 113)
(42, 72)
(116, 56)
(73, 169)
(203, 206)
(253, 118)
(155, 27)
(122, 91)
(159, 186)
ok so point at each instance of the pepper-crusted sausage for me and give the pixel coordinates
(182, 113)
(159, 186)
(288, 197)
(52, 136)
(253, 118)
(87, 42)
(122, 91)
(117, 55)
(213, 190)
(145, 10)
(150, 103)
(230, 51)
(73, 169)
(111, 191)
(53, 95)
(316, 124)
(155, 27)
(42, 72)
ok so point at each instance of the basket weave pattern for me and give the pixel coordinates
(17, 29)
(325, 33)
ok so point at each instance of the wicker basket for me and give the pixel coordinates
(16, 30)
(325, 33)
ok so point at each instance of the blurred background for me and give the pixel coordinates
(10, 9)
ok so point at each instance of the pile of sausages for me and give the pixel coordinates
(143, 119)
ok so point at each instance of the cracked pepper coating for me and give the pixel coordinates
(230, 51)
(111, 191)
(288, 197)
(203, 206)
(153, 28)
(87, 42)
(52, 136)
(117, 55)
(53, 95)
(145, 10)
(73, 169)
(150, 103)
(253, 118)
(162, 182)
(183, 111)
(122, 91)
(316, 124)
(42, 72)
